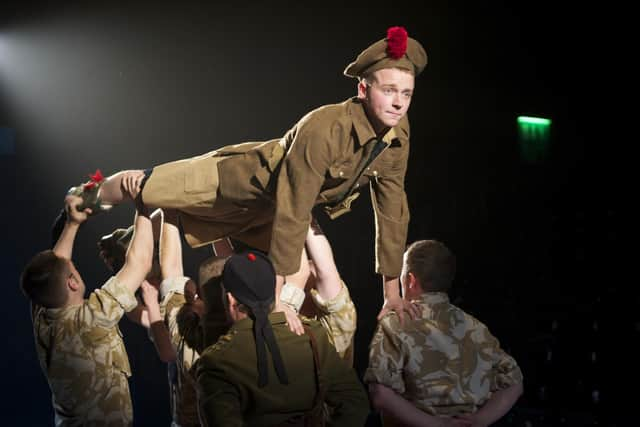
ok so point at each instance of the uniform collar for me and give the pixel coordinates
(274, 318)
(362, 125)
(58, 313)
(430, 298)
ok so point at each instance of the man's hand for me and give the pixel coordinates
(294, 322)
(74, 216)
(399, 305)
(472, 420)
(150, 295)
(193, 300)
(455, 422)
(131, 181)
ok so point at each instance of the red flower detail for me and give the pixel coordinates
(396, 42)
(89, 185)
(251, 256)
(97, 176)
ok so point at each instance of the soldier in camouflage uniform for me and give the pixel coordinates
(78, 342)
(160, 310)
(327, 296)
(444, 368)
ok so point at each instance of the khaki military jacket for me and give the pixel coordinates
(227, 375)
(445, 363)
(81, 352)
(263, 192)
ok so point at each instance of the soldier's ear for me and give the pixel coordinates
(413, 280)
(72, 283)
(362, 89)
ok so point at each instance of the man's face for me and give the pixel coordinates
(387, 96)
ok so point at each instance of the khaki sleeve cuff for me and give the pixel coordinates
(122, 294)
(333, 305)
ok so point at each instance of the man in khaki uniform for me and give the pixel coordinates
(262, 374)
(444, 368)
(263, 193)
(78, 342)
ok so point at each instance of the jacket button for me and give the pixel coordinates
(375, 173)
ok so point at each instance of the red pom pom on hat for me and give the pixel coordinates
(251, 256)
(396, 42)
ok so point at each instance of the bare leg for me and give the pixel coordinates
(120, 187)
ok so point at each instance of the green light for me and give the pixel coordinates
(534, 137)
(533, 120)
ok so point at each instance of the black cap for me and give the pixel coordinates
(250, 277)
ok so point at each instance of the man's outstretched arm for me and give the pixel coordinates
(74, 218)
(140, 253)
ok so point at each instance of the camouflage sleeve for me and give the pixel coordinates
(506, 371)
(105, 306)
(386, 359)
(338, 317)
(170, 307)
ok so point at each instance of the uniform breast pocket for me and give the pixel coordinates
(344, 170)
(386, 165)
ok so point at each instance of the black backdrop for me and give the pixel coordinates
(90, 85)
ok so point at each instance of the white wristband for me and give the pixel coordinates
(292, 296)
(172, 284)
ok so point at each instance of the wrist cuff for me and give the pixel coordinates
(292, 296)
(172, 284)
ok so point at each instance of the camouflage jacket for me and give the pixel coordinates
(81, 352)
(445, 363)
(184, 407)
(338, 317)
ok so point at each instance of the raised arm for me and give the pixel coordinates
(140, 253)
(328, 283)
(157, 328)
(170, 246)
(74, 218)
(331, 300)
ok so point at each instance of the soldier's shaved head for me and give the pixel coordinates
(432, 263)
(43, 279)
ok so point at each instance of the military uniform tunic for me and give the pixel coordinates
(263, 193)
(81, 352)
(445, 363)
(227, 373)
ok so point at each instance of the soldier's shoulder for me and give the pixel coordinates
(324, 118)
(223, 344)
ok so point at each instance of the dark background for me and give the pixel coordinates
(90, 85)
